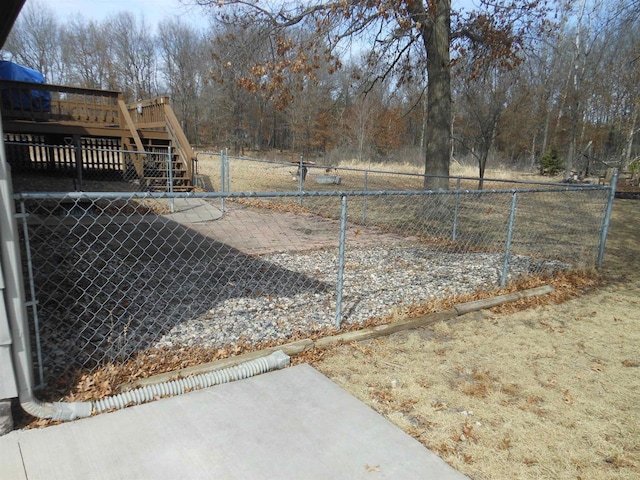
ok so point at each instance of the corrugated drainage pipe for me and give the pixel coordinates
(276, 360)
(70, 411)
(62, 411)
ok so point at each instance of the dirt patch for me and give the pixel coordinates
(548, 392)
(61, 182)
(628, 189)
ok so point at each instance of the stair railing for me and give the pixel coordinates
(157, 113)
(182, 147)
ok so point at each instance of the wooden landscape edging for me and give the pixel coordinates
(468, 307)
(294, 348)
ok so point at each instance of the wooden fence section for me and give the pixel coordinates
(148, 114)
(38, 153)
(102, 154)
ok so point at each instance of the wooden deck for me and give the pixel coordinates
(58, 128)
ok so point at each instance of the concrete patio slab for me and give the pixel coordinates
(192, 210)
(288, 424)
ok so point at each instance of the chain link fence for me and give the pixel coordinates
(114, 274)
(218, 171)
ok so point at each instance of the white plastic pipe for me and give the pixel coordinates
(70, 411)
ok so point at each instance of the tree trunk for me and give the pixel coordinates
(545, 136)
(533, 150)
(571, 160)
(482, 166)
(435, 29)
(578, 71)
(424, 125)
(632, 131)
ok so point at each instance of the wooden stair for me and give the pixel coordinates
(156, 115)
(156, 173)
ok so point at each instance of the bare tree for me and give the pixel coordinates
(483, 100)
(623, 70)
(396, 30)
(309, 115)
(362, 115)
(134, 56)
(34, 42)
(183, 69)
(87, 52)
(243, 107)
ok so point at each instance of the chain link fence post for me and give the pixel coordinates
(227, 170)
(222, 179)
(364, 199)
(455, 210)
(32, 302)
(172, 202)
(343, 230)
(300, 179)
(607, 220)
(507, 250)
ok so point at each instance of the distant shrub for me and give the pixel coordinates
(551, 162)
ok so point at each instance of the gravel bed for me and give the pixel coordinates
(376, 280)
(98, 306)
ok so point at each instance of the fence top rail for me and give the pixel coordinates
(291, 194)
(381, 172)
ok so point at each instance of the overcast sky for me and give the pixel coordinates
(152, 10)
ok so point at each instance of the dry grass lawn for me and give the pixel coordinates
(257, 176)
(545, 393)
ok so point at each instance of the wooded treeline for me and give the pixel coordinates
(574, 93)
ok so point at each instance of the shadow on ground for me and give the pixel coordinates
(110, 285)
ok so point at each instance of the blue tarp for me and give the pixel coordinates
(14, 99)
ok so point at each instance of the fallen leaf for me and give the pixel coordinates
(631, 363)
(467, 431)
(568, 398)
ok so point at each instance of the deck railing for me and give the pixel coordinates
(46, 102)
(148, 113)
(156, 113)
(39, 102)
